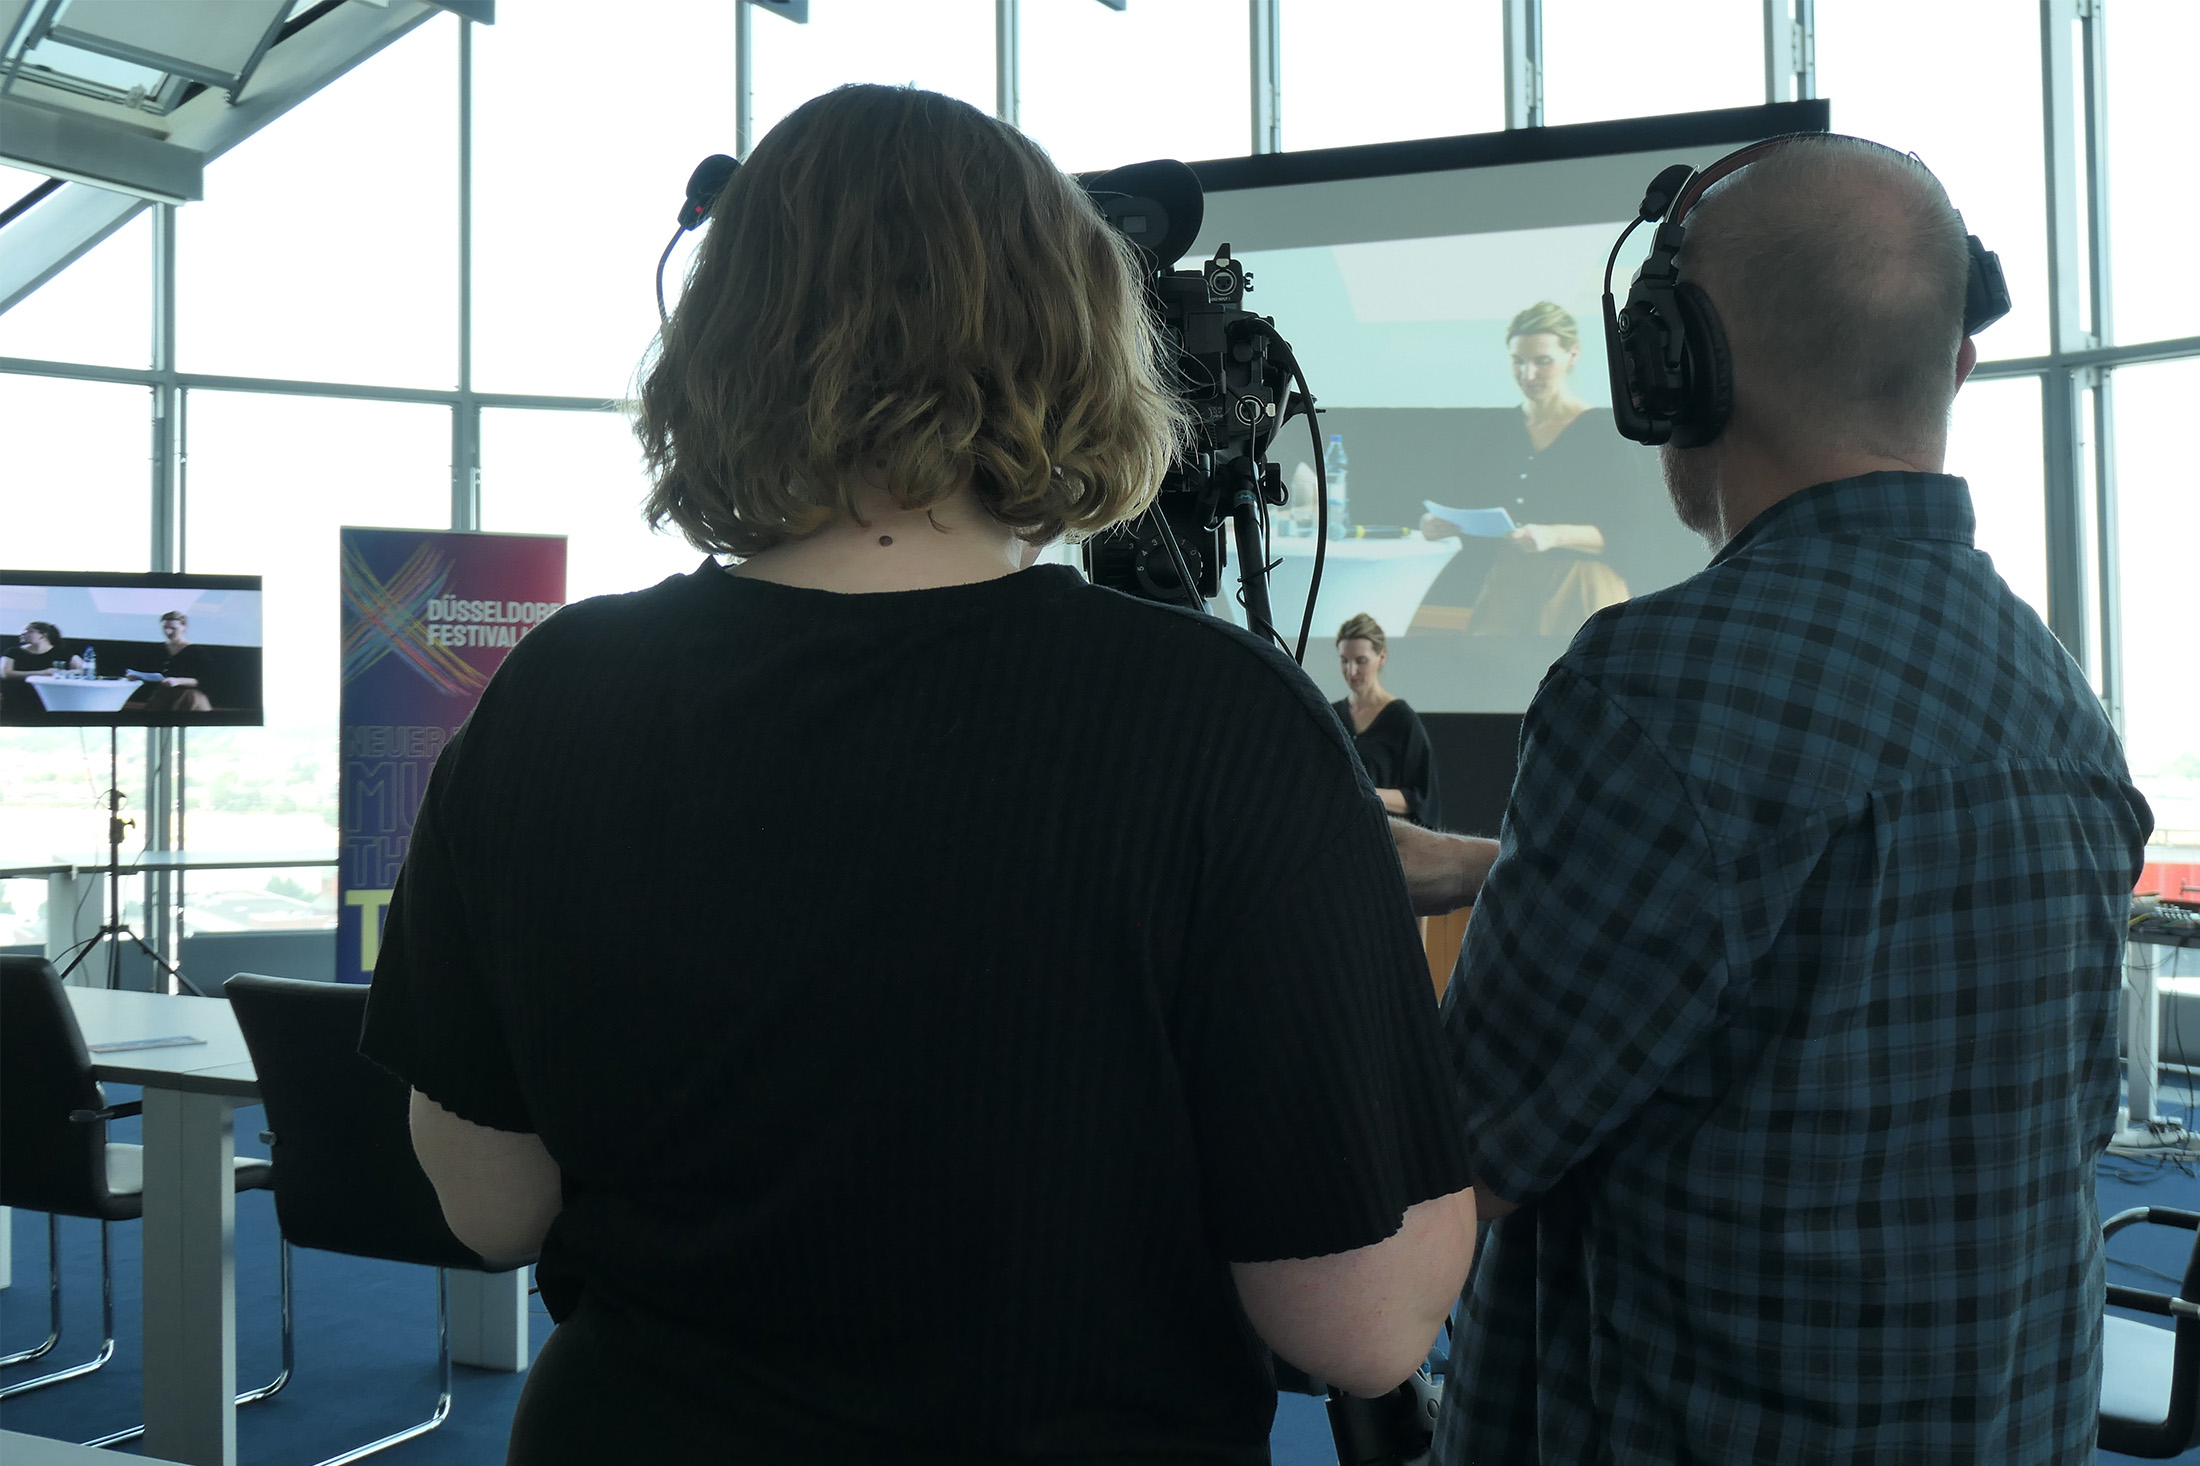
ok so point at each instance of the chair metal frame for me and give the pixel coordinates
(442, 1272)
(2179, 1431)
(443, 1369)
(106, 1352)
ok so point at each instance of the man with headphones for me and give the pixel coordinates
(1786, 1022)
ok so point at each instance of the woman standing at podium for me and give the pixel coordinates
(1386, 732)
(903, 1019)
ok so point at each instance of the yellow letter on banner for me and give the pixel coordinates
(372, 904)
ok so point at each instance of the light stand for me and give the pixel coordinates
(114, 928)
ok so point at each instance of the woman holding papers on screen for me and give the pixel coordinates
(1573, 513)
(180, 684)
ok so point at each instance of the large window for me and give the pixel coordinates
(1963, 93)
(99, 309)
(272, 478)
(2153, 212)
(1103, 87)
(2159, 523)
(1433, 68)
(1621, 58)
(587, 122)
(323, 267)
(941, 45)
(75, 499)
(578, 474)
(74, 458)
(1994, 444)
(327, 246)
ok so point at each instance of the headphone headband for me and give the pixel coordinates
(1671, 377)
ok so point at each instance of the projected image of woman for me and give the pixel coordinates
(37, 650)
(1592, 525)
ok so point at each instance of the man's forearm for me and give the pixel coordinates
(1443, 872)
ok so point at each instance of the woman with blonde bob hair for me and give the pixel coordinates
(902, 959)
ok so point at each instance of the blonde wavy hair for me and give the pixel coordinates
(896, 284)
(1546, 315)
(1365, 628)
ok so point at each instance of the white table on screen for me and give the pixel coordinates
(83, 694)
(191, 1098)
(1385, 578)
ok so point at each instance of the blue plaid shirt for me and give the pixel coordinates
(1788, 1015)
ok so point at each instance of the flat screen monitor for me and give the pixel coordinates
(91, 649)
(1443, 297)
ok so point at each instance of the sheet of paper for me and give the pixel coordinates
(1483, 524)
(131, 1045)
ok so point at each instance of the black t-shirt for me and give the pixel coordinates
(20, 702)
(924, 994)
(189, 661)
(1395, 751)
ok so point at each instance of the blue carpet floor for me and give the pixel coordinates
(366, 1337)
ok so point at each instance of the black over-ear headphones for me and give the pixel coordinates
(704, 185)
(1672, 380)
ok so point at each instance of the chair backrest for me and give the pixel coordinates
(2142, 1424)
(346, 1179)
(48, 1162)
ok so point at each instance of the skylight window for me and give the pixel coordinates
(141, 54)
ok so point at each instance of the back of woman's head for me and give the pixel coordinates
(898, 288)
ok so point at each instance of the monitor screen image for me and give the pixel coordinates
(90, 649)
(1444, 300)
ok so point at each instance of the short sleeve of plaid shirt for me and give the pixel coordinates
(1596, 957)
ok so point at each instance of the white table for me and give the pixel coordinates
(83, 694)
(191, 1098)
(18, 1449)
(1385, 578)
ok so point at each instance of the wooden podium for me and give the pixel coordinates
(1440, 938)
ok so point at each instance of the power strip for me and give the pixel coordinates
(2160, 1139)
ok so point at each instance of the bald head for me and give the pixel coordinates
(1838, 271)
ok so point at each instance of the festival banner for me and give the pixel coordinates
(428, 616)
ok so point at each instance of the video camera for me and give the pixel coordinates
(1234, 371)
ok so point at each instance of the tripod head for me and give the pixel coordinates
(1233, 371)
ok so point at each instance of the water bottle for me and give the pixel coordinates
(91, 661)
(1333, 466)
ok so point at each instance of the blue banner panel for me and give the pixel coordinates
(429, 616)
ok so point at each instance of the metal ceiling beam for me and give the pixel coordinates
(86, 149)
(1523, 63)
(1264, 24)
(50, 236)
(1791, 50)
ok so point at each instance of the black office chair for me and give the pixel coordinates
(55, 1157)
(339, 1126)
(2150, 1377)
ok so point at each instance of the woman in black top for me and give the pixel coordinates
(1593, 525)
(182, 685)
(968, 1103)
(1387, 734)
(37, 649)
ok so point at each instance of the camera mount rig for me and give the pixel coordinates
(1235, 373)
